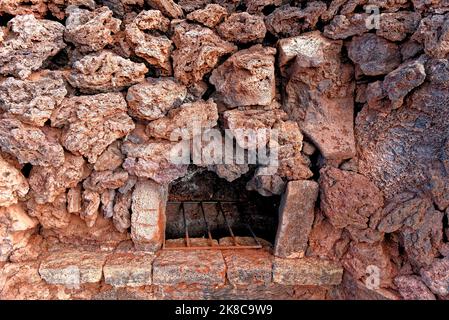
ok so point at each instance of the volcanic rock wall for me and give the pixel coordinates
(95, 95)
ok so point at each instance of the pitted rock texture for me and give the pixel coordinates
(101, 106)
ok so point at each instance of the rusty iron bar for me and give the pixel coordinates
(209, 234)
(219, 208)
(181, 207)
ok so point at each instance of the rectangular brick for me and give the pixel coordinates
(173, 267)
(127, 269)
(307, 272)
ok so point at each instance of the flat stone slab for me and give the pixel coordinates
(194, 242)
(72, 267)
(248, 266)
(307, 272)
(128, 270)
(173, 267)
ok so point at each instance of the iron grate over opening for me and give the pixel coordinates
(211, 245)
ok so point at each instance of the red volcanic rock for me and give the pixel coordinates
(242, 28)
(210, 16)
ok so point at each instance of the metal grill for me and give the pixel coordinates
(211, 245)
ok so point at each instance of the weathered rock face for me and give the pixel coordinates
(32, 100)
(337, 118)
(105, 71)
(182, 122)
(13, 185)
(296, 215)
(28, 43)
(242, 28)
(210, 16)
(152, 99)
(246, 78)
(29, 144)
(319, 93)
(91, 123)
(374, 55)
(148, 215)
(349, 200)
(197, 52)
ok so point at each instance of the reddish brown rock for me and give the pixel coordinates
(288, 21)
(345, 26)
(16, 227)
(412, 288)
(436, 276)
(122, 211)
(266, 185)
(351, 201)
(128, 270)
(52, 215)
(364, 260)
(167, 7)
(184, 121)
(296, 214)
(248, 267)
(148, 215)
(74, 200)
(152, 159)
(32, 100)
(90, 30)
(192, 5)
(13, 185)
(152, 20)
(28, 43)
(152, 99)
(210, 16)
(90, 207)
(257, 6)
(240, 82)
(48, 182)
(38, 8)
(58, 7)
(198, 50)
(99, 181)
(306, 271)
(156, 50)
(323, 239)
(110, 159)
(319, 93)
(29, 144)
(204, 267)
(242, 28)
(104, 71)
(84, 117)
(396, 26)
(404, 79)
(72, 268)
(374, 55)
(434, 35)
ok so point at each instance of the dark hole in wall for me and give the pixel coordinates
(26, 169)
(260, 212)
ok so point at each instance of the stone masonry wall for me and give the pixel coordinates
(97, 96)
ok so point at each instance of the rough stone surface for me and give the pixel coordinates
(32, 100)
(181, 123)
(204, 267)
(198, 50)
(91, 123)
(148, 215)
(436, 276)
(433, 33)
(152, 99)
(374, 55)
(210, 16)
(28, 43)
(13, 185)
(104, 71)
(319, 93)
(123, 269)
(242, 28)
(72, 267)
(90, 30)
(29, 144)
(412, 288)
(296, 213)
(306, 271)
(247, 77)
